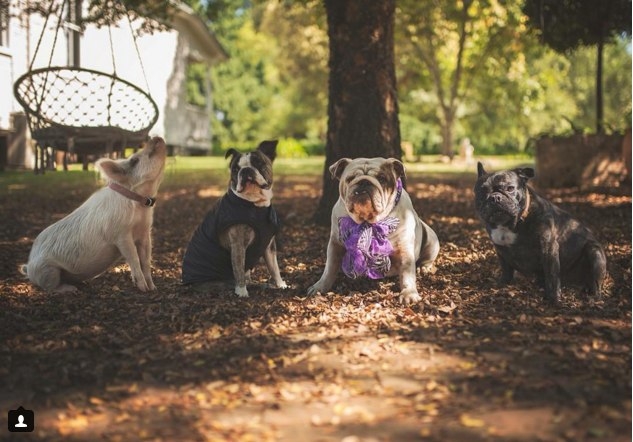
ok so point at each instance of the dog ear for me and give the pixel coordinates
(525, 173)
(398, 167)
(268, 148)
(113, 170)
(480, 169)
(231, 153)
(337, 168)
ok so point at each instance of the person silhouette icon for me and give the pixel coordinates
(20, 423)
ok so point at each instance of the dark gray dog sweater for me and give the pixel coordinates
(206, 260)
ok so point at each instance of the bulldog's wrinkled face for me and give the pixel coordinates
(500, 196)
(368, 186)
(252, 173)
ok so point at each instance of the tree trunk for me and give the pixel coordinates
(446, 126)
(363, 104)
(599, 103)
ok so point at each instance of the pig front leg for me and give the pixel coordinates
(130, 253)
(144, 250)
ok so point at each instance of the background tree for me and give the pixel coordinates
(565, 25)
(451, 44)
(363, 102)
(511, 87)
(245, 88)
(299, 27)
(275, 83)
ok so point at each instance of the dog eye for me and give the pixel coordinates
(133, 161)
(510, 189)
(382, 179)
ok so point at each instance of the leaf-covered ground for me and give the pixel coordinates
(472, 362)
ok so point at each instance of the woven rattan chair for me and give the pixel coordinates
(79, 110)
(84, 111)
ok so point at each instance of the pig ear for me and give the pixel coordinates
(480, 169)
(525, 173)
(268, 148)
(112, 170)
(337, 168)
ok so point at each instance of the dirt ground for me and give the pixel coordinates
(472, 362)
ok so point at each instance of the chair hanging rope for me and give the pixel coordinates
(84, 111)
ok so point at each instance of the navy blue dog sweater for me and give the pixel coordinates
(206, 260)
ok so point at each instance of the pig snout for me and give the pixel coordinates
(156, 145)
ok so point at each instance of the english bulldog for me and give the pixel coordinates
(535, 237)
(375, 231)
(240, 228)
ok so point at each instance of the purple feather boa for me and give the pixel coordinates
(367, 246)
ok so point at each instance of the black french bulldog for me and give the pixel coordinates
(535, 237)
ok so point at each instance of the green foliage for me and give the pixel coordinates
(293, 148)
(616, 79)
(287, 147)
(503, 89)
(510, 88)
(445, 47)
(299, 28)
(314, 146)
(565, 25)
(275, 83)
(196, 84)
(514, 91)
(245, 88)
(423, 136)
(290, 148)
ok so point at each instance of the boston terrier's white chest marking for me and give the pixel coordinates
(502, 236)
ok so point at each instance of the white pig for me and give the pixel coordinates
(114, 222)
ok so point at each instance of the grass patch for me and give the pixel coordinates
(183, 170)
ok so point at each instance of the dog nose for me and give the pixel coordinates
(362, 186)
(247, 174)
(495, 197)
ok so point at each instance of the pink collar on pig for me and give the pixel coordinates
(144, 200)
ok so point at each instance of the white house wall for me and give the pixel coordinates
(164, 56)
(188, 125)
(15, 59)
(157, 54)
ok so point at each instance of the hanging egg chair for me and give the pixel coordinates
(83, 111)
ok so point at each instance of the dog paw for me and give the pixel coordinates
(553, 299)
(315, 289)
(281, 285)
(409, 296)
(241, 292)
(427, 269)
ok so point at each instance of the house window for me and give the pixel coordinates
(4, 22)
